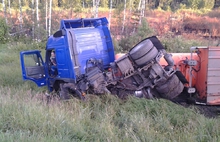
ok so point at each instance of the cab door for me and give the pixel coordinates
(33, 68)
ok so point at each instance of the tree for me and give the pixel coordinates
(37, 14)
(4, 8)
(217, 4)
(104, 3)
(46, 16)
(21, 17)
(124, 17)
(96, 4)
(110, 14)
(33, 19)
(3, 31)
(9, 7)
(50, 11)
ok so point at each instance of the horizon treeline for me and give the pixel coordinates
(134, 4)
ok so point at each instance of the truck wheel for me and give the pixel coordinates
(69, 88)
(143, 52)
(148, 57)
(172, 88)
(63, 92)
(141, 49)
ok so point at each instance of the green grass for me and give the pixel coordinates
(25, 115)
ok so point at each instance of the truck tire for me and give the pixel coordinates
(69, 88)
(148, 57)
(171, 89)
(141, 49)
(143, 52)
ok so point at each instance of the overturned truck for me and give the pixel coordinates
(137, 73)
(85, 64)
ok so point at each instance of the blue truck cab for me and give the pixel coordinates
(75, 43)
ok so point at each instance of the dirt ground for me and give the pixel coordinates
(206, 110)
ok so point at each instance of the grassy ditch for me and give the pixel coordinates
(25, 114)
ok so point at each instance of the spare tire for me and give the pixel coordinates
(171, 89)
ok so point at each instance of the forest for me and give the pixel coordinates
(37, 19)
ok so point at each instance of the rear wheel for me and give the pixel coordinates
(141, 49)
(143, 52)
(148, 57)
(172, 88)
(69, 88)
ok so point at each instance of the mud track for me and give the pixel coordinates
(206, 110)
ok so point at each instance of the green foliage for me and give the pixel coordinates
(3, 31)
(200, 4)
(10, 71)
(165, 4)
(176, 44)
(104, 3)
(143, 31)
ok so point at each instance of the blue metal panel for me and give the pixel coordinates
(64, 63)
(33, 68)
(84, 39)
(91, 43)
(52, 42)
(82, 22)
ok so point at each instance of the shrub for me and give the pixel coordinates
(214, 14)
(143, 31)
(3, 31)
(177, 44)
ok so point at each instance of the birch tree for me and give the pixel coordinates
(4, 9)
(50, 10)
(21, 17)
(110, 14)
(9, 8)
(124, 17)
(46, 16)
(130, 9)
(93, 7)
(33, 19)
(142, 10)
(37, 14)
(96, 8)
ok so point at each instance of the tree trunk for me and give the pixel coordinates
(123, 25)
(110, 14)
(46, 17)
(33, 20)
(50, 10)
(21, 17)
(139, 5)
(96, 8)
(9, 7)
(142, 10)
(37, 21)
(37, 14)
(93, 7)
(4, 8)
(130, 14)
